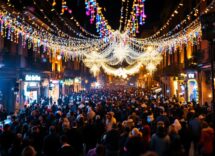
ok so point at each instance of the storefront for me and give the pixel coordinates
(72, 85)
(54, 90)
(192, 87)
(31, 88)
(77, 84)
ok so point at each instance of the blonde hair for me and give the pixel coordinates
(29, 151)
(135, 132)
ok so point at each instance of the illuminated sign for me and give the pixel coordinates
(32, 78)
(77, 80)
(32, 84)
(191, 76)
(68, 82)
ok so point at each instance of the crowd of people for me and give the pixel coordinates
(109, 122)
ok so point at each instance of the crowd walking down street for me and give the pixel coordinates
(109, 122)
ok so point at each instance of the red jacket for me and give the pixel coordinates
(207, 138)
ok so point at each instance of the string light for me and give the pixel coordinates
(176, 11)
(126, 14)
(91, 9)
(121, 15)
(65, 7)
(137, 17)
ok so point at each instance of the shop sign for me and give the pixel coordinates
(191, 75)
(32, 78)
(68, 82)
(77, 80)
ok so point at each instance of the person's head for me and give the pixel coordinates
(146, 130)
(66, 123)
(161, 132)
(35, 129)
(150, 118)
(109, 115)
(160, 124)
(64, 139)
(18, 139)
(172, 129)
(135, 133)
(29, 151)
(52, 130)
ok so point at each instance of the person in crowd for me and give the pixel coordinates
(111, 142)
(98, 151)
(185, 136)
(207, 140)
(134, 144)
(160, 141)
(195, 127)
(163, 117)
(176, 147)
(36, 139)
(17, 146)
(66, 149)
(51, 142)
(146, 131)
(6, 140)
(29, 151)
(110, 121)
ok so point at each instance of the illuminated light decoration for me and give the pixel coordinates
(193, 31)
(195, 12)
(59, 57)
(91, 9)
(94, 62)
(126, 14)
(51, 42)
(69, 10)
(137, 17)
(95, 69)
(102, 26)
(121, 48)
(121, 15)
(176, 11)
(75, 22)
(94, 11)
(121, 52)
(151, 67)
(68, 82)
(81, 48)
(122, 72)
(64, 7)
(151, 58)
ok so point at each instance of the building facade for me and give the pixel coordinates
(186, 72)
